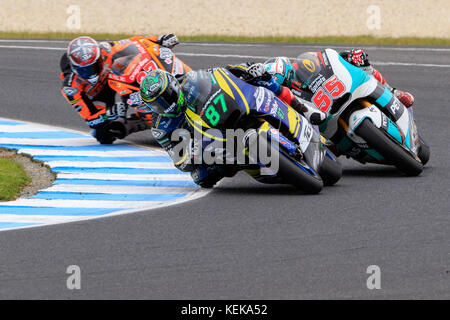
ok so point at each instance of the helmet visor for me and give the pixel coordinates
(88, 72)
(166, 103)
(308, 68)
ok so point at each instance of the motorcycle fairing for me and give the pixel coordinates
(282, 144)
(261, 101)
(142, 55)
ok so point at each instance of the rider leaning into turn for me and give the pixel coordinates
(84, 70)
(163, 94)
(279, 73)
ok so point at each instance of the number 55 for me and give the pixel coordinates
(332, 87)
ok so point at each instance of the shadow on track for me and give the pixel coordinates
(377, 172)
(263, 189)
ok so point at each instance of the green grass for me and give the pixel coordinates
(12, 179)
(363, 40)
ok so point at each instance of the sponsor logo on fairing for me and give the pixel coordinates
(157, 134)
(138, 68)
(317, 83)
(95, 122)
(177, 66)
(309, 65)
(165, 53)
(384, 121)
(259, 96)
(395, 107)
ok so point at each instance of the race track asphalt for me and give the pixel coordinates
(246, 240)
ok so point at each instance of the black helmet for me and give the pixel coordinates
(307, 67)
(161, 93)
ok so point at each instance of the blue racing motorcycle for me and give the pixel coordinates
(220, 104)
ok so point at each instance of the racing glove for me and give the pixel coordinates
(358, 58)
(168, 40)
(314, 115)
(256, 70)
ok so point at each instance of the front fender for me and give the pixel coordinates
(358, 116)
(371, 112)
(379, 119)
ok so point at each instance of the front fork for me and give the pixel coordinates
(311, 152)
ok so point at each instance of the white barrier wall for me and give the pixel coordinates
(412, 18)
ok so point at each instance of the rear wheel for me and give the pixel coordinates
(291, 171)
(389, 149)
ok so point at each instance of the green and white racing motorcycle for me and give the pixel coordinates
(365, 120)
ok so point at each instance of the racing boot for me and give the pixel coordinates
(208, 176)
(405, 97)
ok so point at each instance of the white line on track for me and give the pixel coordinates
(34, 40)
(286, 45)
(189, 54)
(118, 189)
(36, 48)
(126, 177)
(51, 142)
(41, 219)
(88, 164)
(82, 204)
(46, 152)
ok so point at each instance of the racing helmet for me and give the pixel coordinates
(161, 93)
(307, 67)
(84, 58)
(281, 69)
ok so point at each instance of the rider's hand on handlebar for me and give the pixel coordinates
(256, 70)
(168, 40)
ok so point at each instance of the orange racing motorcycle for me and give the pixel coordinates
(137, 57)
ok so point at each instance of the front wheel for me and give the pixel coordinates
(389, 149)
(292, 172)
(330, 171)
(424, 151)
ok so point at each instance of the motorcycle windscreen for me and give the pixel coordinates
(210, 104)
(125, 60)
(307, 68)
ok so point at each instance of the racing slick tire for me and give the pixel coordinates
(330, 171)
(291, 171)
(389, 149)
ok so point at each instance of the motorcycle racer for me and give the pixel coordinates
(279, 72)
(84, 71)
(283, 72)
(163, 94)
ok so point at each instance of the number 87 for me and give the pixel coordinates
(211, 114)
